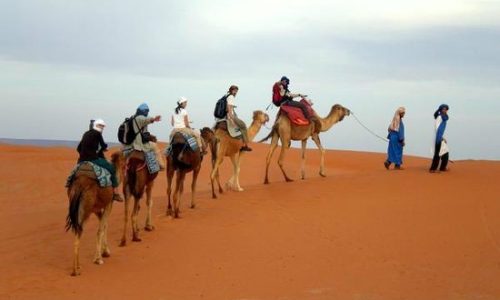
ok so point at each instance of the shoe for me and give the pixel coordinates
(397, 167)
(246, 148)
(387, 164)
(117, 198)
(433, 171)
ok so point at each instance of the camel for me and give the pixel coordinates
(285, 131)
(181, 160)
(137, 180)
(222, 144)
(87, 197)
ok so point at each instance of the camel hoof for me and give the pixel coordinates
(123, 243)
(75, 273)
(106, 254)
(266, 181)
(98, 261)
(136, 239)
(322, 174)
(288, 180)
(149, 228)
(239, 190)
(193, 206)
(214, 196)
(169, 212)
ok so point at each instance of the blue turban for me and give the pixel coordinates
(143, 109)
(441, 107)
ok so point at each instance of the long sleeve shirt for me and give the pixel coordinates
(440, 127)
(91, 146)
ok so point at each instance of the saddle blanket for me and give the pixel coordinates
(152, 162)
(191, 141)
(295, 114)
(102, 175)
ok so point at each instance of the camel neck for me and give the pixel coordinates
(253, 130)
(329, 121)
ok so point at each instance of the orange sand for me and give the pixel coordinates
(361, 233)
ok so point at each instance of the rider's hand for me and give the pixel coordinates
(157, 118)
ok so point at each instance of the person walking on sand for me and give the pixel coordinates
(396, 140)
(180, 122)
(441, 151)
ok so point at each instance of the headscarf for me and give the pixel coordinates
(143, 109)
(96, 124)
(440, 108)
(396, 120)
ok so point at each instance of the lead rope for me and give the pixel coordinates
(368, 129)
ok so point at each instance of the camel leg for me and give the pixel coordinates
(100, 232)
(237, 175)
(316, 140)
(76, 256)
(193, 187)
(215, 175)
(135, 226)
(274, 144)
(303, 162)
(285, 144)
(170, 176)
(125, 223)
(179, 182)
(105, 248)
(149, 202)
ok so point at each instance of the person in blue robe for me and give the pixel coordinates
(396, 140)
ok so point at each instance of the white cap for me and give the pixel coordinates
(182, 100)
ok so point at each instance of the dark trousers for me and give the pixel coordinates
(299, 105)
(101, 162)
(437, 158)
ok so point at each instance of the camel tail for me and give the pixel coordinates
(177, 149)
(273, 131)
(73, 221)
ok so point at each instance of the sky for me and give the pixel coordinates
(63, 63)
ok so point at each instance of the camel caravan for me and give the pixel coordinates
(93, 183)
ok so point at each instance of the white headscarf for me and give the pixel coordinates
(99, 122)
(396, 121)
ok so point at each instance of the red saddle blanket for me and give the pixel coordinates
(295, 114)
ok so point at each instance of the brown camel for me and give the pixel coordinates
(136, 181)
(222, 144)
(285, 131)
(181, 160)
(87, 197)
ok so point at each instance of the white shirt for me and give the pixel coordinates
(230, 100)
(179, 118)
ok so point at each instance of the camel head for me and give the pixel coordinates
(207, 134)
(340, 111)
(260, 117)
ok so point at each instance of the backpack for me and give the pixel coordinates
(126, 133)
(220, 110)
(276, 94)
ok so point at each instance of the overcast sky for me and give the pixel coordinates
(65, 62)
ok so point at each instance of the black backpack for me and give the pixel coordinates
(220, 110)
(126, 132)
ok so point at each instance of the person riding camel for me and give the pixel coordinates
(283, 96)
(143, 140)
(180, 122)
(233, 118)
(92, 147)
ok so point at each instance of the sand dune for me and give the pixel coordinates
(360, 233)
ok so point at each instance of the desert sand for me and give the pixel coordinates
(361, 233)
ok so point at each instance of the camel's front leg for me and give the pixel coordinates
(322, 155)
(126, 204)
(105, 248)
(215, 175)
(179, 187)
(170, 176)
(135, 226)
(100, 233)
(193, 187)
(76, 256)
(285, 144)
(238, 163)
(303, 161)
(274, 144)
(233, 182)
(149, 202)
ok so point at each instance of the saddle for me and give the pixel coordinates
(233, 131)
(92, 171)
(295, 114)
